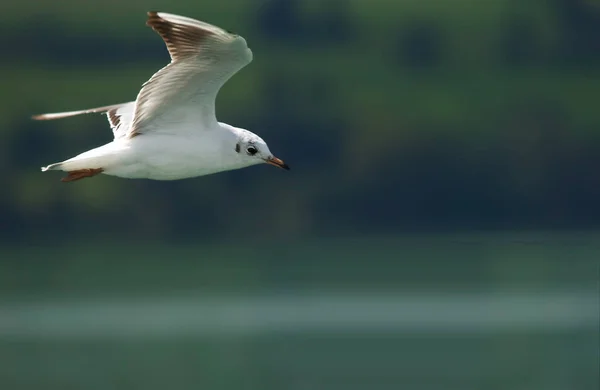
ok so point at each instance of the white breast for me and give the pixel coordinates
(170, 157)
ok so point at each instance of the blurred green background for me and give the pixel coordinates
(438, 229)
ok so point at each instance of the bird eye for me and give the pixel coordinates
(251, 150)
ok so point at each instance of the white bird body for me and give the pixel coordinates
(170, 131)
(163, 156)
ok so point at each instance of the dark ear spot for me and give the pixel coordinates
(237, 148)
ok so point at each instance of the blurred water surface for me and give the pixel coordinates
(469, 311)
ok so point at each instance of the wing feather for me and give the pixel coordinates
(119, 116)
(183, 93)
(66, 114)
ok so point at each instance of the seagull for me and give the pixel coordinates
(170, 131)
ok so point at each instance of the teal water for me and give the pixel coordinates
(503, 311)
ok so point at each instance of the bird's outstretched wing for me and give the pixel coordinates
(181, 96)
(119, 116)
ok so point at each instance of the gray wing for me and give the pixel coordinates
(119, 116)
(181, 96)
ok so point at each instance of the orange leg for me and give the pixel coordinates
(81, 174)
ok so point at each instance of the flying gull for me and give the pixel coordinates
(170, 131)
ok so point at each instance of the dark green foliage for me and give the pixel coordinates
(394, 116)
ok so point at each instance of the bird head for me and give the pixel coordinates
(255, 150)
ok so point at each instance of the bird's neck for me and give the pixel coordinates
(237, 131)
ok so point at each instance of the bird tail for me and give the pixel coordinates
(74, 173)
(53, 167)
(76, 163)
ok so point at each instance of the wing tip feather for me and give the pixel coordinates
(40, 117)
(152, 16)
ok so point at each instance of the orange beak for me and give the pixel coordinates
(277, 162)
